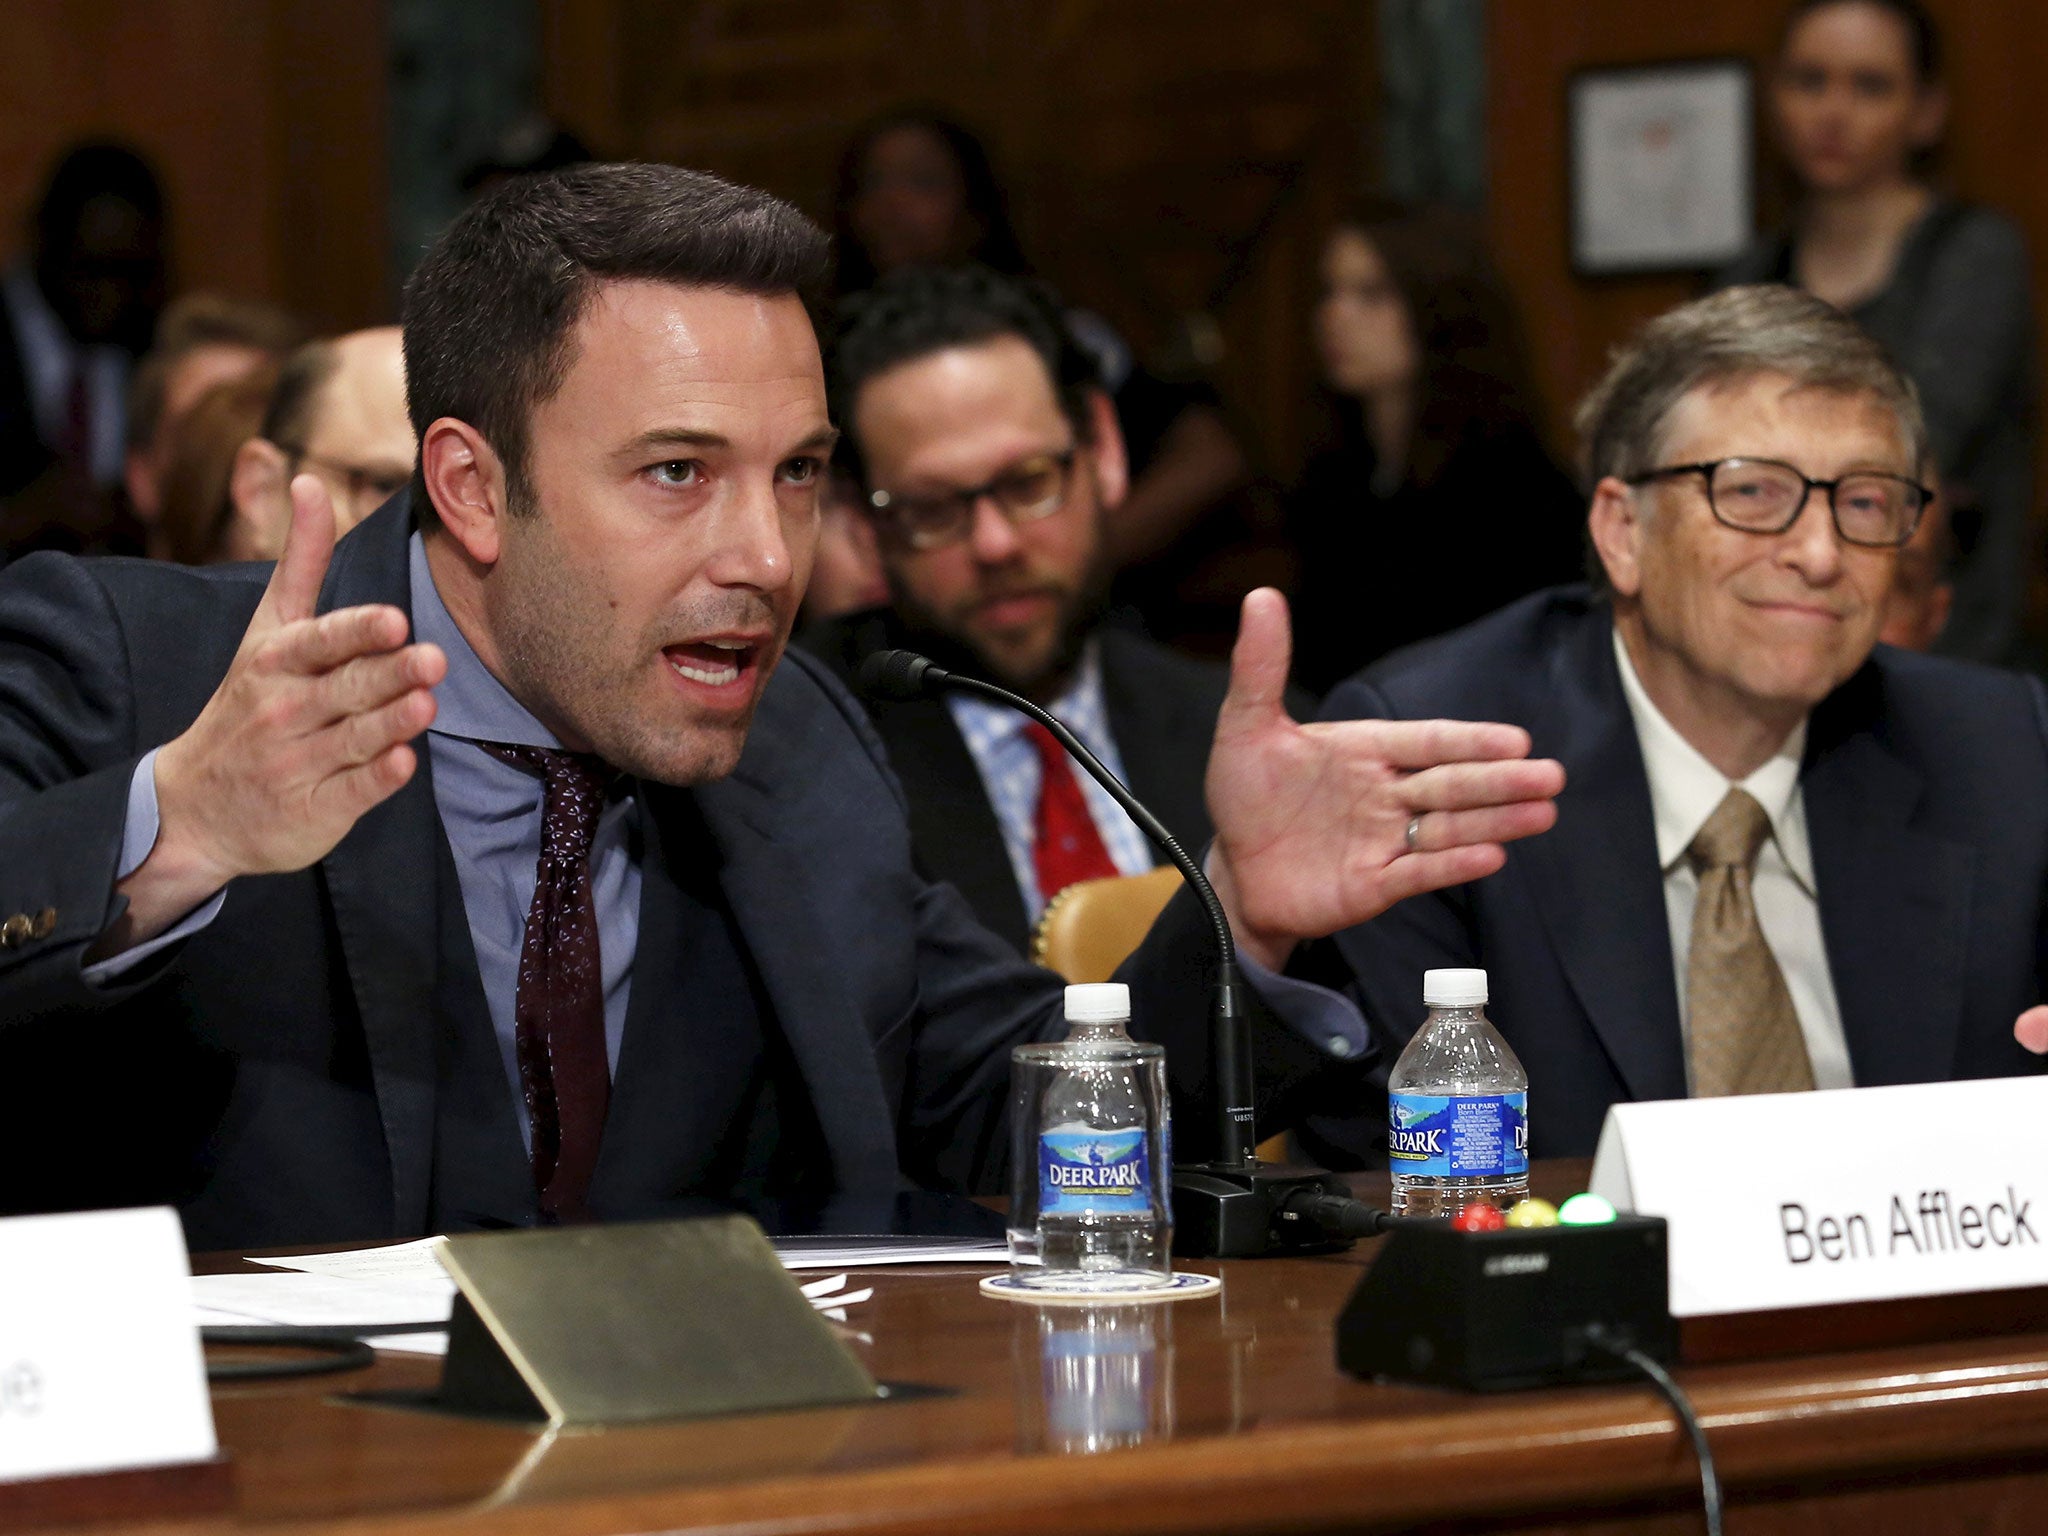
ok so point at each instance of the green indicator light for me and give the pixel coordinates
(1585, 1211)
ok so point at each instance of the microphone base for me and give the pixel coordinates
(1233, 1211)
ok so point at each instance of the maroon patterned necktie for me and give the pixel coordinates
(559, 1008)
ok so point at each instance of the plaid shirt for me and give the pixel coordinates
(1010, 773)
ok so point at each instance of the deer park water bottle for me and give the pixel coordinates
(1457, 1106)
(1089, 1209)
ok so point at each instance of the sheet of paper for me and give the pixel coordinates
(400, 1261)
(299, 1300)
(417, 1260)
(828, 1253)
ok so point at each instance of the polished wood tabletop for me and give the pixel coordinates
(1225, 1414)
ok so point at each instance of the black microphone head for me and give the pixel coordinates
(895, 675)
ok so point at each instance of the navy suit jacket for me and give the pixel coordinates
(301, 1069)
(1162, 709)
(1926, 792)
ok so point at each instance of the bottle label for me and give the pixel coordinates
(1104, 1172)
(1460, 1136)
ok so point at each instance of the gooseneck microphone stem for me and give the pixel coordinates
(1233, 1206)
(1237, 1141)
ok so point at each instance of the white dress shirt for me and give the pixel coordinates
(1685, 789)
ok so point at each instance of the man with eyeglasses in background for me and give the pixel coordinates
(338, 412)
(1786, 857)
(987, 455)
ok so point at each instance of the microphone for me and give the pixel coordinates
(1235, 1206)
(898, 675)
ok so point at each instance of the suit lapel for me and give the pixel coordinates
(381, 881)
(1894, 901)
(769, 891)
(952, 824)
(1597, 885)
(1162, 737)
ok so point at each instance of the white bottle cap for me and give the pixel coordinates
(1452, 989)
(1099, 1002)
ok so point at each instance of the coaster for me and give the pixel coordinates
(1179, 1287)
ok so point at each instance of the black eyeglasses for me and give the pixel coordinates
(1877, 511)
(1028, 490)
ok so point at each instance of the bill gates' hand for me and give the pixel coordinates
(2031, 1029)
(308, 730)
(1313, 822)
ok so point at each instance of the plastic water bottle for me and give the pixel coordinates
(1090, 1208)
(1457, 1106)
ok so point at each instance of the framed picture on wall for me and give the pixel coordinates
(1662, 166)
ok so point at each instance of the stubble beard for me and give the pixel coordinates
(572, 669)
(951, 644)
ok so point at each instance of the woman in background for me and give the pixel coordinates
(1859, 110)
(1431, 500)
(916, 188)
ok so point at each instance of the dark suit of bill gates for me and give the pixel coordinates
(1925, 785)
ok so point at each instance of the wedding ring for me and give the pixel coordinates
(1414, 830)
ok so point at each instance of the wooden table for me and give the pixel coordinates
(1213, 1416)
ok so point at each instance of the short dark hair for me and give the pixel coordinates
(489, 310)
(921, 310)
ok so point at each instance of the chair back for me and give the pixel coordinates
(1091, 927)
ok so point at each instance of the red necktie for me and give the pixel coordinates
(1067, 846)
(559, 1009)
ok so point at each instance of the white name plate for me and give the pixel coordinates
(100, 1366)
(1858, 1194)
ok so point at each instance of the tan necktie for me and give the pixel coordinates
(1745, 1034)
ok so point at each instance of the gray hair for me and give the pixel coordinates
(1735, 334)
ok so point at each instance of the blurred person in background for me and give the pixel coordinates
(1923, 589)
(989, 461)
(203, 339)
(1431, 500)
(846, 572)
(338, 412)
(198, 522)
(532, 146)
(1859, 110)
(75, 314)
(916, 189)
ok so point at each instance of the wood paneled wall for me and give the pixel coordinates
(1143, 141)
(265, 119)
(1998, 60)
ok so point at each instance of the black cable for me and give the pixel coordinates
(1340, 1215)
(1618, 1348)
(330, 1351)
